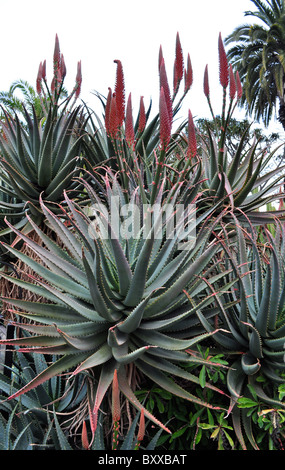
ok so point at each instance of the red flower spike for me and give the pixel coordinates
(113, 117)
(120, 92)
(62, 67)
(165, 86)
(188, 75)
(192, 142)
(56, 67)
(56, 55)
(179, 57)
(44, 70)
(142, 116)
(206, 82)
(84, 436)
(239, 87)
(39, 78)
(116, 409)
(160, 58)
(129, 127)
(107, 111)
(175, 80)
(178, 64)
(224, 68)
(233, 87)
(78, 80)
(165, 126)
(52, 86)
(58, 76)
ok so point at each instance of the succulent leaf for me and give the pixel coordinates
(114, 301)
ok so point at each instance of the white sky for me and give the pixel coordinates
(98, 32)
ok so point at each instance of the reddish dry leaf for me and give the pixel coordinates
(141, 431)
(84, 436)
(178, 64)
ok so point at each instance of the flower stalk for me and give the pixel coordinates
(165, 135)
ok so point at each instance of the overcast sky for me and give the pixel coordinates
(98, 32)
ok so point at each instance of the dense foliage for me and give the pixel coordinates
(141, 277)
(257, 50)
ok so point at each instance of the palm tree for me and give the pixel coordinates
(21, 92)
(12, 101)
(259, 56)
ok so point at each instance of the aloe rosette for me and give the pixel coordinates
(114, 300)
(25, 424)
(10, 207)
(40, 159)
(242, 181)
(256, 322)
(255, 335)
(41, 156)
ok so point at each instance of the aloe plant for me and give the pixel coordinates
(41, 160)
(115, 291)
(40, 157)
(241, 181)
(115, 300)
(255, 324)
(25, 422)
(129, 441)
(136, 293)
(48, 418)
(10, 207)
(19, 432)
(120, 439)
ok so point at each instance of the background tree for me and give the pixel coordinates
(21, 92)
(236, 129)
(259, 56)
(242, 129)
